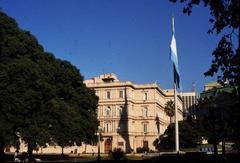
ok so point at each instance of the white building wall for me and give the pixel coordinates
(137, 98)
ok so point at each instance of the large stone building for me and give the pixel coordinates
(130, 115)
(128, 112)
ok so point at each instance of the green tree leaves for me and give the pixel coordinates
(169, 109)
(41, 97)
(216, 115)
(225, 20)
(189, 136)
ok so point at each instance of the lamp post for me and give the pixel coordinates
(99, 139)
(17, 134)
(118, 131)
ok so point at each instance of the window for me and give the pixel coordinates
(120, 111)
(145, 144)
(145, 96)
(189, 101)
(108, 94)
(121, 95)
(145, 128)
(108, 111)
(107, 127)
(145, 112)
(120, 143)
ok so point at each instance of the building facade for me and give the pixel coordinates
(211, 85)
(212, 89)
(189, 103)
(130, 115)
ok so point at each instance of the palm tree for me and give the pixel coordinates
(169, 109)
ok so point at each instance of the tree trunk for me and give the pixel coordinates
(223, 146)
(62, 152)
(214, 134)
(2, 154)
(30, 150)
(215, 148)
(238, 146)
(215, 141)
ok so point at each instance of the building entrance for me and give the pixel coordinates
(145, 144)
(107, 146)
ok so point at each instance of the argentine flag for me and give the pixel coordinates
(174, 58)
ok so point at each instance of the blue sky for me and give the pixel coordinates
(130, 38)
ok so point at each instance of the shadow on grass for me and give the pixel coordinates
(167, 158)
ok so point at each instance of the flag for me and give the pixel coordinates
(174, 58)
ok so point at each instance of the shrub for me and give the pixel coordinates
(142, 149)
(117, 154)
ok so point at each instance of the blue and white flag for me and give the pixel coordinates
(174, 58)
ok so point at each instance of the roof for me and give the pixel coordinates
(215, 91)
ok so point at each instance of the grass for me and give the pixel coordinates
(193, 149)
(164, 158)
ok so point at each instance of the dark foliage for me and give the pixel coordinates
(142, 149)
(217, 116)
(189, 136)
(225, 20)
(169, 109)
(117, 154)
(41, 97)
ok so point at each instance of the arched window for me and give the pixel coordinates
(108, 111)
(120, 110)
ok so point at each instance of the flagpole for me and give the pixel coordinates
(176, 119)
(175, 102)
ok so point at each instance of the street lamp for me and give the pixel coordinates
(118, 131)
(17, 144)
(99, 139)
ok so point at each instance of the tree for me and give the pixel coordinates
(214, 114)
(41, 97)
(225, 18)
(188, 136)
(234, 122)
(169, 109)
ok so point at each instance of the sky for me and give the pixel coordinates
(130, 38)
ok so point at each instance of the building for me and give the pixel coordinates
(189, 102)
(212, 89)
(211, 85)
(128, 112)
(130, 115)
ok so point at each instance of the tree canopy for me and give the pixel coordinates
(216, 116)
(225, 19)
(169, 109)
(41, 97)
(189, 136)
